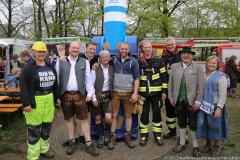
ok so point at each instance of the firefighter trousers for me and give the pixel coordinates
(156, 104)
(170, 116)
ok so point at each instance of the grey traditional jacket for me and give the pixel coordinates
(64, 71)
(194, 77)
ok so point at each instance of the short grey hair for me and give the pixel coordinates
(168, 39)
(146, 42)
(104, 52)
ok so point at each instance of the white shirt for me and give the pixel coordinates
(72, 81)
(106, 83)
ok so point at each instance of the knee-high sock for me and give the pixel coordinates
(182, 134)
(194, 139)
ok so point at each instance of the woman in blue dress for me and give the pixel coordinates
(213, 126)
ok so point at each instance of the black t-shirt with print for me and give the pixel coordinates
(44, 79)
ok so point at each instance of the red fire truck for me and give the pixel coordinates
(227, 50)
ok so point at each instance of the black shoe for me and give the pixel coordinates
(196, 152)
(71, 147)
(65, 144)
(48, 154)
(91, 149)
(170, 134)
(179, 148)
(159, 141)
(100, 142)
(79, 140)
(143, 141)
(106, 138)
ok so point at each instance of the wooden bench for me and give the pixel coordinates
(12, 99)
(8, 110)
(11, 105)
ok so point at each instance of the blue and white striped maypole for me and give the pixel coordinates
(115, 22)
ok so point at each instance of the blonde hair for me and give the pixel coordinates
(213, 57)
(16, 71)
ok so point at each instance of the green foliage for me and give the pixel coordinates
(146, 18)
(207, 18)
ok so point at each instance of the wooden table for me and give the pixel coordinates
(3, 97)
(16, 90)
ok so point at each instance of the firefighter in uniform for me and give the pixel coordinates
(39, 93)
(170, 56)
(153, 87)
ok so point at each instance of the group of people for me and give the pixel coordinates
(80, 82)
(12, 78)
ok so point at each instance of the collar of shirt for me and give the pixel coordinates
(72, 59)
(104, 67)
(185, 65)
(88, 57)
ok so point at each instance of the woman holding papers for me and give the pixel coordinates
(212, 119)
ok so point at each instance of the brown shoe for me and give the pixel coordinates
(128, 140)
(196, 152)
(206, 149)
(112, 141)
(216, 151)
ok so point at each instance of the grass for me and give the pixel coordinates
(232, 145)
(12, 138)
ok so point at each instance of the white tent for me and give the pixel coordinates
(4, 45)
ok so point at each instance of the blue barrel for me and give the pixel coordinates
(114, 22)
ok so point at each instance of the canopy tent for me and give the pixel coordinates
(4, 45)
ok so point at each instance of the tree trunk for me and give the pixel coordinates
(165, 20)
(34, 19)
(45, 19)
(9, 30)
(39, 21)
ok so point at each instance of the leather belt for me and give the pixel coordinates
(104, 92)
(72, 92)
